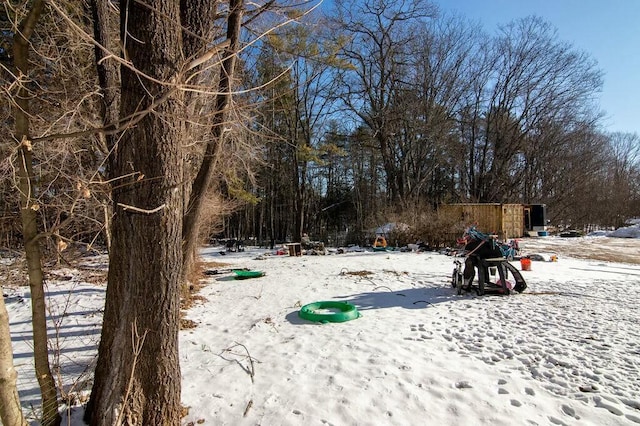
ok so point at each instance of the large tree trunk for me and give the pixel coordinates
(10, 410)
(203, 178)
(28, 209)
(137, 377)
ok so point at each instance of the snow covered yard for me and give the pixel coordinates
(566, 351)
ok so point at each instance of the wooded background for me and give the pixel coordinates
(358, 115)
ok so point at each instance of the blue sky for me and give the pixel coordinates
(608, 30)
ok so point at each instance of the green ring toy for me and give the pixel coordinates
(334, 311)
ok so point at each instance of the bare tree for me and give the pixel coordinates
(174, 62)
(568, 172)
(534, 79)
(194, 210)
(621, 163)
(29, 207)
(137, 377)
(379, 33)
(49, 163)
(439, 81)
(104, 23)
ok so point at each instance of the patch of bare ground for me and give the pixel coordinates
(190, 295)
(356, 273)
(620, 250)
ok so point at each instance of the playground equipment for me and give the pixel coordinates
(510, 250)
(489, 256)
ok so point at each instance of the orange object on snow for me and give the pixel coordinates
(380, 241)
(525, 264)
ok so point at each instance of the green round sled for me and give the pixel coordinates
(243, 274)
(329, 311)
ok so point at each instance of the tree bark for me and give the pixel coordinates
(10, 410)
(137, 377)
(203, 178)
(28, 209)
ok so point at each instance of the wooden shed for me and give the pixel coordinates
(504, 220)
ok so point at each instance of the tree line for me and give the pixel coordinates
(148, 127)
(385, 110)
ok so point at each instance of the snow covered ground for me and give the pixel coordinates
(565, 352)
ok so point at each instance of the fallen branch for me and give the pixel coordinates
(246, 410)
(251, 369)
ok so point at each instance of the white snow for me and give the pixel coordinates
(626, 232)
(565, 352)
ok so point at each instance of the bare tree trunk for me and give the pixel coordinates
(28, 209)
(203, 178)
(197, 19)
(109, 78)
(108, 70)
(10, 410)
(137, 377)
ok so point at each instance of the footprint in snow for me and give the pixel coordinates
(633, 418)
(569, 411)
(556, 421)
(613, 410)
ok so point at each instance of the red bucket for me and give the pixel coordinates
(525, 264)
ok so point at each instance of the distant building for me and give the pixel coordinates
(504, 220)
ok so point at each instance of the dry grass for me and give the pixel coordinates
(610, 257)
(356, 273)
(620, 250)
(187, 324)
